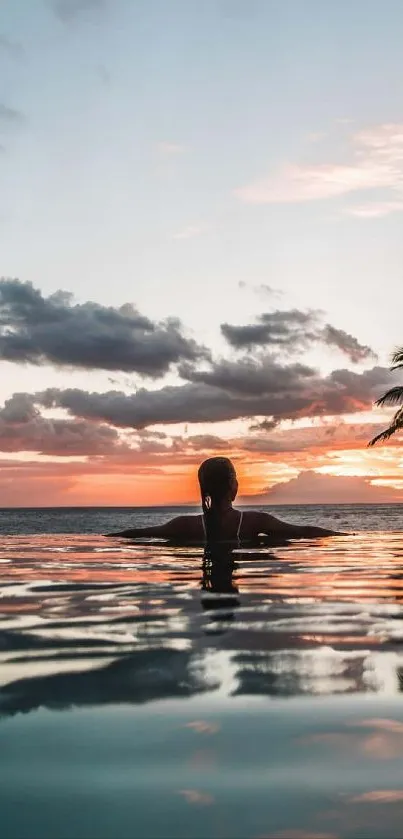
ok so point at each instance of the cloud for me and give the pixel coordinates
(376, 209)
(277, 329)
(291, 331)
(251, 377)
(377, 162)
(263, 425)
(349, 345)
(55, 330)
(58, 437)
(262, 289)
(316, 136)
(322, 437)
(103, 74)
(11, 48)
(10, 116)
(170, 149)
(20, 408)
(239, 10)
(311, 183)
(121, 466)
(205, 442)
(22, 428)
(68, 10)
(342, 391)
(313, 488)
(189, 232)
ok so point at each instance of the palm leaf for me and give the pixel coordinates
(395, 425)
(397, 359)
(384, 435)
(391, 397)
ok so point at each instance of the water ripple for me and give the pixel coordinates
(306, 618)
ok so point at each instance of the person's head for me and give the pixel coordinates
(218, 488)
(218, 481)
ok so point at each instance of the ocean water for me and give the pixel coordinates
(350, 517)
(146, 693)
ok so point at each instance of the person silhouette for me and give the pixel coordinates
(219, 520)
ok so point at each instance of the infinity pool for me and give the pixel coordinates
(146, 693)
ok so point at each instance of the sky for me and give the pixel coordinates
(200, 248)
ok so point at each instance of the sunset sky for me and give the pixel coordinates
(201, 207)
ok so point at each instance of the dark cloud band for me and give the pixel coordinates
(55, 330)
(343, 391)
(292, 331)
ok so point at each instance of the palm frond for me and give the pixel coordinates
(397, 359)
(384, 435)
(391, 397)
(395, 425)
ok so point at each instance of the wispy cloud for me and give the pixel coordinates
(316, 136)
(9, 115)
(239, 10)
(291, 330)
(68, 10)
(103, 74)
(225, 392)
(189, 232)
(166, 149)
(377, 163)
(309, 183)
(261, 289)
(11, 48)
(347, 343)
(375, 209)
(311, 487)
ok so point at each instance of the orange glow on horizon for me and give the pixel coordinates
(110, 483)
(167, 474)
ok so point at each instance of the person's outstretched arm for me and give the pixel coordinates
(273, 526)
(169, 530)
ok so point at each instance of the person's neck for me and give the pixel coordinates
(225, 507)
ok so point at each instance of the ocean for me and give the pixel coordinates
(147, 693)
(37, 520)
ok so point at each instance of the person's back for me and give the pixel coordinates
(219, 521)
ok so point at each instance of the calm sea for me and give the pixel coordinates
(104, 519)
(144, 693)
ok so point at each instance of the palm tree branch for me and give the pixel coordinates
(391, 397)
(397, 358)
(395, 425)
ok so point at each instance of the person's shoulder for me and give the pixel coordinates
(191, 517)
(254, 521)
(188, 523)
(251, 519)
(253, 515)
(261, 515)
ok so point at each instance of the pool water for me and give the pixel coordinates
(146, 693)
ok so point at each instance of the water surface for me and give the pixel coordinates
(142, 694)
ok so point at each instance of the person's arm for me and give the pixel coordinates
(272, 526)
(169, 530)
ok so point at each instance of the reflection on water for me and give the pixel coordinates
(280, 659)
(300, 619)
